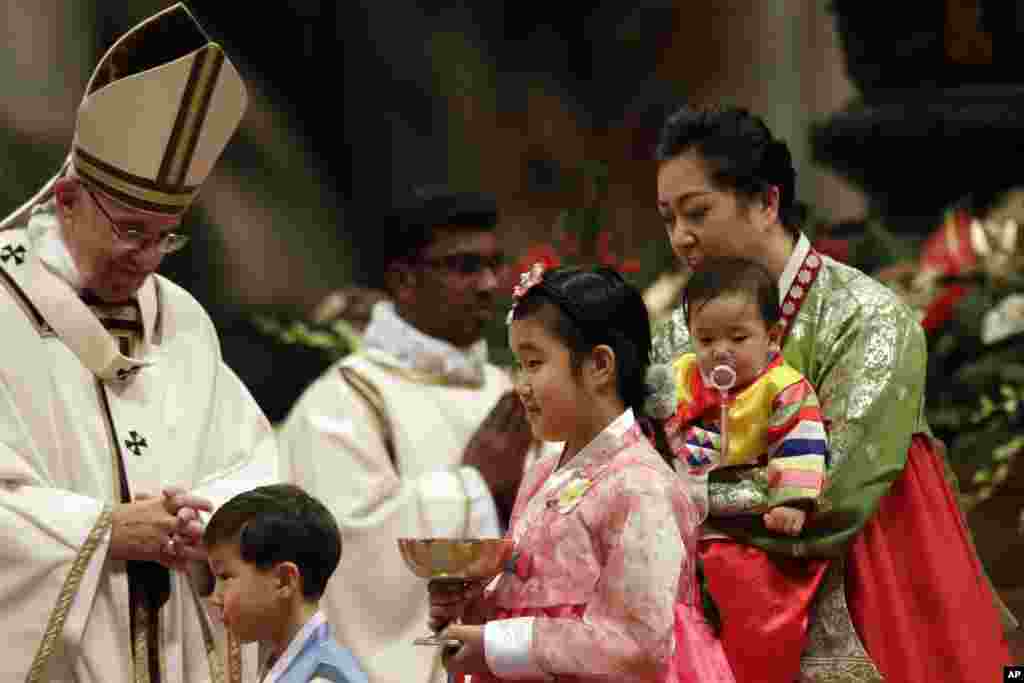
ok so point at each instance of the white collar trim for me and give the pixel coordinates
(407, 347)
(50, 286)
(295, 647)
(796, 259)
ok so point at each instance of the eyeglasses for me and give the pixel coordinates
(467, 263)
(134, 239)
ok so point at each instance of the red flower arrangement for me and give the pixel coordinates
(947, 252)
(580, 238)
(569, 252)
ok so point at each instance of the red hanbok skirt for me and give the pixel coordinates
(914, 586)
(765, 603)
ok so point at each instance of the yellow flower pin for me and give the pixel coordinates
(572, 493)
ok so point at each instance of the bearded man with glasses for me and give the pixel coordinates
(417, 434)
(119, 422)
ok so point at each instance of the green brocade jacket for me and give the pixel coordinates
(865, 353)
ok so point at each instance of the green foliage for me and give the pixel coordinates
(974, 396)
(975, 393)
(878, 247)
(335, 339)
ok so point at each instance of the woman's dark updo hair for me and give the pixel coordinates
(740, 152)
(587, 307)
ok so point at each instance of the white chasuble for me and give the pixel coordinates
(71, 405)
(333, 445)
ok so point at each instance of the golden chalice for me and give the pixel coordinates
(455, 560)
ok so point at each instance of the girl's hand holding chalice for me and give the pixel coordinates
(457, 571)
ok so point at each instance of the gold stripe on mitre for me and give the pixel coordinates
(195, 103)
(129, 189)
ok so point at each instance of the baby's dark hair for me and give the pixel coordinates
(588, 307)
(280, 523)
(723, 276)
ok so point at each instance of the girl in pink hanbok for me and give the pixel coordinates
(602, 583)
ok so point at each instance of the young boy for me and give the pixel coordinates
(271, 551)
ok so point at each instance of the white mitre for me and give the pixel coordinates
(158, 110)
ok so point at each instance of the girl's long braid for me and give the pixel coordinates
(655, 431)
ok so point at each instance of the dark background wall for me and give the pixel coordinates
(352, 103)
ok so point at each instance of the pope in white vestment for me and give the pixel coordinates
(185, 419)
(103, 403)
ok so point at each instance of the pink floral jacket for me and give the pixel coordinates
(604, 550)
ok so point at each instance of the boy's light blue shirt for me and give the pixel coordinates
(313, 655)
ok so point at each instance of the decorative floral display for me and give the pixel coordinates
(963, 250)
(967, 287)
(582, 236)
(545, 254)
(569, 252)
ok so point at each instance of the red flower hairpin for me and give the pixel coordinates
(527, 281)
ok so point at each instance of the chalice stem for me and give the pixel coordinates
(456, 564)
(435, 639)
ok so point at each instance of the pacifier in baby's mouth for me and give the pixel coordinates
(723, 373)
(723, 378)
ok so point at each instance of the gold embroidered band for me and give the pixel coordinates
(131, 189)
(188, 124)
(55, 624)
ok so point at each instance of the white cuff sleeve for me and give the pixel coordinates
(482, 510)
(507, 649)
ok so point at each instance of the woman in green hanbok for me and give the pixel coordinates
(905, 596)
